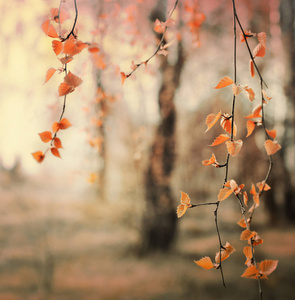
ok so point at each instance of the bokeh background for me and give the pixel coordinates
(93, 224)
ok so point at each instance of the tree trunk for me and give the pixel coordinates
(287, 12)
(159, 222)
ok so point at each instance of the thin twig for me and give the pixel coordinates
(159, 45)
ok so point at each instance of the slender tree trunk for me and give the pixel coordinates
(159, 223)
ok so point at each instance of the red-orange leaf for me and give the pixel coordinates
(45, 136)
(224, 193)
(57, 47)
(251, 66)
(55, 152)
(39, 156)
(220, 139)
(57, 143)
(205, 263)
(64, 89)
(225, 81)
(211, 120)
(247, 234)
(242, 223)
(271, 147)
(250, 272)
(265, 97)
(267, 266)
(262, 185)
(226, 124)
(250, 127)
(211, 161)
(262, 38)
(272, 133)
(72, 80)
(49, 74)
(184, 204)
(49, 30)
(234, 148)
(225, 253)
(63, 124)
(259, 51)
(250, 93)
(63, 15)
(123, 77)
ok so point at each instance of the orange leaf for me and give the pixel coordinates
(205, 263)
(250, 272)
(211, 120)
(272, 133)
(251, 65)
(39, 156)
(265, 97)
(220, 139)
(93, 47)
(262, 38)
(247, 234)
(225, 81)
(262, 185)
(66, 59)
(225, 253)
(184, 204)
(57, 47)
(49, 74)
(245, 198)
(45, 136)
(250, 127)
(259, 51)
(64, 89)
(72, 80)
(250, 93)
(55, 152)
(271, 147)
(255, 195)
(237, 89)
(63, 15)
(123, 77)
(63, 124)
(248, 252)
(226, 124)
(224, 193)
(247, 32)
(210, 161)
(242, 223)
(57, 143)
(234, 148)
(49, 30)
(267, 266)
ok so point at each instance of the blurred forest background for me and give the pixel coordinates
(100, 223)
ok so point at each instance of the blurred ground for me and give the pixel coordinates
(65, 246)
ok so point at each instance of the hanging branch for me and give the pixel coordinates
(159, 47)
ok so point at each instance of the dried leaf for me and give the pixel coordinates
(225, 81)
(49, 30)
(205, 263)
(234, 148)
(220, 139)
(57, 47)
(271, 147)
(211, 120)
(38, 156)
(262, 38)
(224, 193)
(251, 66)
(45, 136)
(55, 152)
(49, 74)
(259, 51)
(247, 235)
(267, 266)
(272, 133)
(250, 127)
